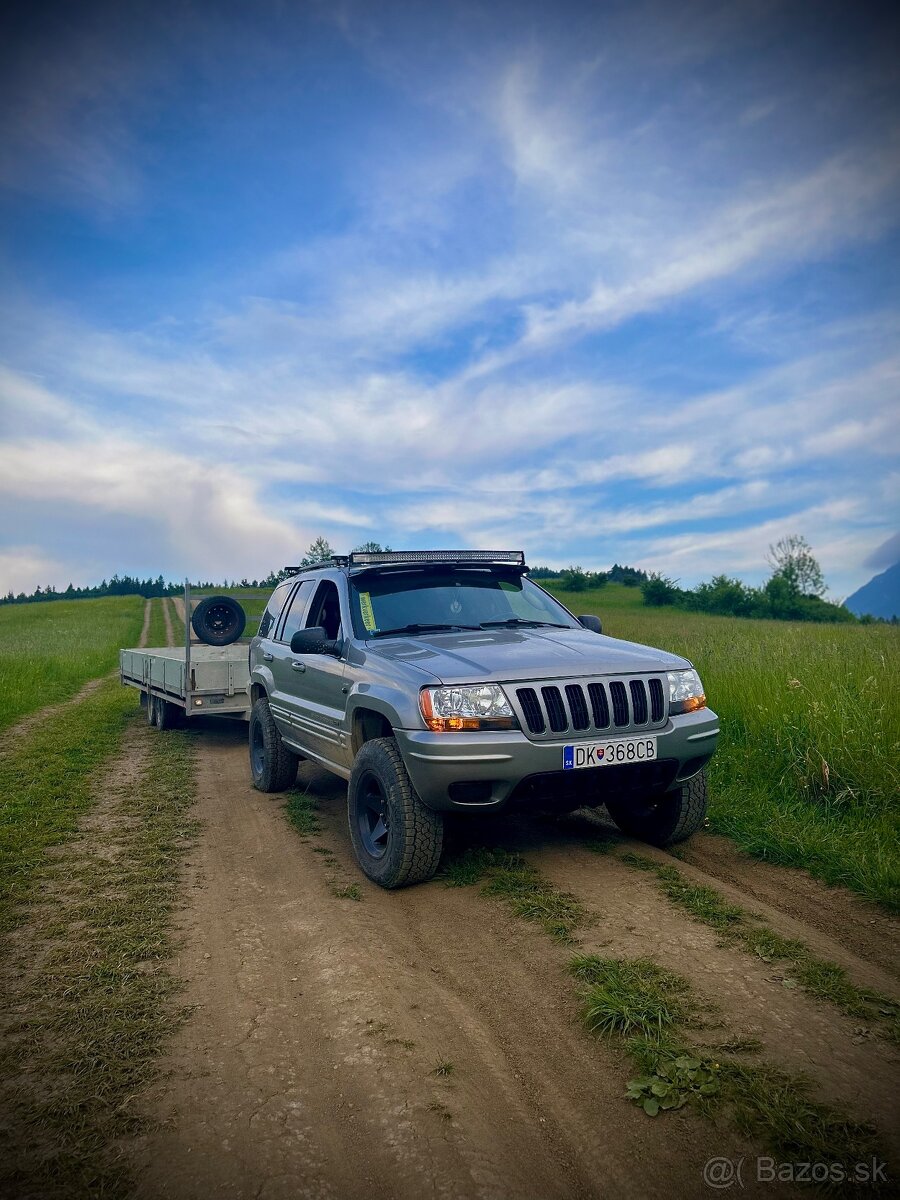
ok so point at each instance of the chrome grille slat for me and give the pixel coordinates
(583, 708)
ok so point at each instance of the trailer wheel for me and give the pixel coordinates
(218, 620)
(168, 715)
(273, 767)
(150, 708)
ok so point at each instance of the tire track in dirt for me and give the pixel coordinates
(836, 924)
(308, 1068)
(167, 617)
(14, 732)
(851, 1069)
(863, 929)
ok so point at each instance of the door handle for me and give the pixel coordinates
(267, 657)
(298, 666)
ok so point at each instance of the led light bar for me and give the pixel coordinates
(387, 558)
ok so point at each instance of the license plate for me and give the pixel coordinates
(615, 752)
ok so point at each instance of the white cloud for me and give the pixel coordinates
(885, 555)
(841, 200)
(209, 515)
(23, 568)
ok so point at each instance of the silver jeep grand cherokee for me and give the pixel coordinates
(438, 681)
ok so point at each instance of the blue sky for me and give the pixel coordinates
(606, 282)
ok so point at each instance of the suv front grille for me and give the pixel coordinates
(633, 703)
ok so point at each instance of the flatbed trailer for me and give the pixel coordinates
(201, 680)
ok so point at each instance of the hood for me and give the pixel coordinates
(513, 655)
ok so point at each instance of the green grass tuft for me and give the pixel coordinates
(472, 866)
(639, 861)
(769, 1104)
(702, 902)
(352, 891)
(655, 1014)
(300, 809)
(532, 897)
(633, 996)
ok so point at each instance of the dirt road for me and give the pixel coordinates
(312, 1065)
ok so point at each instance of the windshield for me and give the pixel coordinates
(469, 599)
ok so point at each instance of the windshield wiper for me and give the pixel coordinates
(415, 627)
(511, 622)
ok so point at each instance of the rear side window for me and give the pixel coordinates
(273, 609)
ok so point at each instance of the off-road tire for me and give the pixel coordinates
(415, 834)
(663, 820)
(273, 767)
(218, 620)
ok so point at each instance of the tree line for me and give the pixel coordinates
(794, 591)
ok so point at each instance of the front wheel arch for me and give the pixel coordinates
(368, 724)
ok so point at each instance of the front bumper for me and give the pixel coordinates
(496, 764)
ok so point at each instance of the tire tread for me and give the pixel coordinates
(280, 769)
(423, 830)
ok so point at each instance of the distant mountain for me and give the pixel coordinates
(880, 597)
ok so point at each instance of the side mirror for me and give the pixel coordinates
(592, 623)
(315, 641)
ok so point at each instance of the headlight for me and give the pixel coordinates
(685, 692)
(477, 706)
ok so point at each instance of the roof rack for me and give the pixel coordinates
(367, 560)
(336, 560)
(361, 560)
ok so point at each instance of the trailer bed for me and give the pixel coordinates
(217, 682)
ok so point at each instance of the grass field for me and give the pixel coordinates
(807, 769)
(48, 650)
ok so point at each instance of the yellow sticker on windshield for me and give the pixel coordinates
(365, 607)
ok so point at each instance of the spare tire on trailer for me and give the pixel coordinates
(218, 620)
